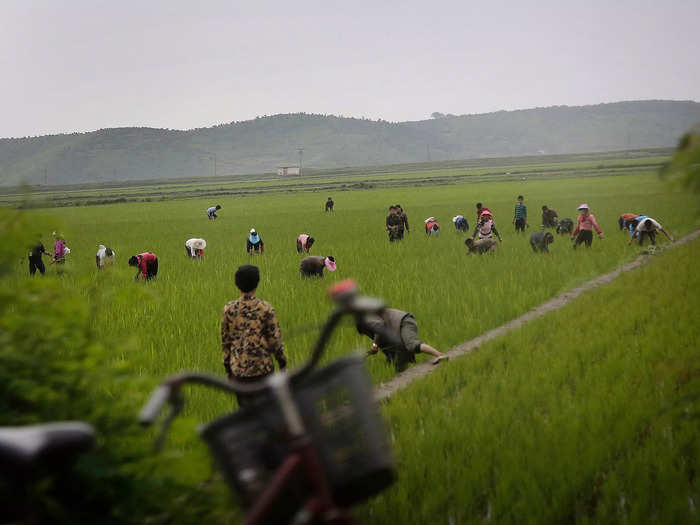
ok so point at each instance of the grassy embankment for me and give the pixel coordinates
(589, 414)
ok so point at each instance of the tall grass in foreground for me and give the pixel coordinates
(591, 413)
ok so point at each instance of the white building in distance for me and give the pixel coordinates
(283, 171)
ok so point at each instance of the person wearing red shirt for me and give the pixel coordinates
(147, 264)
(584, 227)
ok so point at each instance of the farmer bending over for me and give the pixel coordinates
(329, 204)
(104, 256)
(540, 241)
(147, 264)
(403, 327)
(313, 265)
(461, 224)
(432, 228)
(250, 335)
(211, 212)
(549, 218)
(195, 248)
(480, 246)
(254, 244)
(648, 228)
(304, 243)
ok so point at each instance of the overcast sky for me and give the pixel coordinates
(84, 65)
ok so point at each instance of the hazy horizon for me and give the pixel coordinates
(175, 65)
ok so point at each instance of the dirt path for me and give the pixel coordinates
(386, 390)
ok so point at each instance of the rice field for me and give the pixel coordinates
(173, 323)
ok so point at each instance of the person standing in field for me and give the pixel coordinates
(520, 215)
(250, 335)
(254, 244)
(104, 256)
(147, 263)
(329, 204)
(59, 250)
(401, 344)
(486, 228)
(313, 265)
(404, 218)
(583, 233)
(304, 243)
(35, 258)
(211, 212)
(481, 246)
(394, 225)
(461, 224)
(432, 228)
(195, 248)
(648, 228)
(550, 218)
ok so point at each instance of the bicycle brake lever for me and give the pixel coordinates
(177, 403)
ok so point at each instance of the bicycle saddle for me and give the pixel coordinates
(24, 448)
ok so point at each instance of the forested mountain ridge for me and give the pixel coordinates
(262, 144)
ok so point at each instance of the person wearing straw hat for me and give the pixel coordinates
(486, 228)
(461, 224)
(586, 223)
(313, 265)
(195, 247)
(432, 228)
(304, 243)
(254, 244)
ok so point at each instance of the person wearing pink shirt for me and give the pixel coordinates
(584, 227)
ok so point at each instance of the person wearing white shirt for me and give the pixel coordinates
(647, 228)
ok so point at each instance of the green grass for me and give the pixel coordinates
(589, 414)
(173, 323)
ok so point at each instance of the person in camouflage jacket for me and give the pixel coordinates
(250, 334)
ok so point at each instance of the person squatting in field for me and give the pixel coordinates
(550, 219)
(313, 265)
(565, 226)
(254, 244)
(329, 204)
(540, 241)
(195, 247)
(461, 224)
(648, 228)
(394, 225)
(432, 228)
(486, 228)
(403, 216)
(147, 263)
(35, 258)
(480, 246)
(401, 344)
(304, 243)
(520, 215)
(250, 335)
(104, 256)
(211, 212)
(583, 233)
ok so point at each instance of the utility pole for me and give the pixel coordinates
(301, 156)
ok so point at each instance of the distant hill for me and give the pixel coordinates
(260, 145)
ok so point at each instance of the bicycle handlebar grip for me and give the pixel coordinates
(150, 411)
